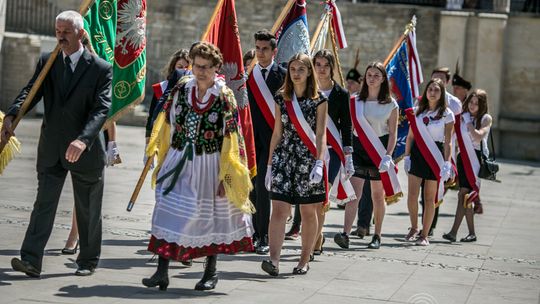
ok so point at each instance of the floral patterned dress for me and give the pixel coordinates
(292, 162)
(189, 219)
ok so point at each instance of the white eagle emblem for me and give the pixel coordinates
(235, 83)
(131, 26)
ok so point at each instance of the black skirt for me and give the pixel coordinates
(419, 166)
(463, 181)
(363, 166)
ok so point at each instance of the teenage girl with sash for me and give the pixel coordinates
(427, 155)
(339, 136)
(375, 119)
(472, 130)
(295, 173)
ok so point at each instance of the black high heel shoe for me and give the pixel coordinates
(319, 251)
(301, 270)
(71, 251)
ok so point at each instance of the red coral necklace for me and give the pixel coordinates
(197, 103)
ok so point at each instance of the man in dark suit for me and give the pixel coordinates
(77, 97)
(267, 77)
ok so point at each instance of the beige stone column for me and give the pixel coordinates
(452, 37)
(489, 59)
(2, 31)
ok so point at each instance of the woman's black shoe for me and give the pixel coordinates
(375, 242)
(449, 237)
(210, 278)
(319, 251)
(469, 238)
(161, 277)
(298, 270)
(158, 279)
(71, 251)
(269, 268)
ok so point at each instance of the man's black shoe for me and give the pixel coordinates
(26, 267)
(84, 271)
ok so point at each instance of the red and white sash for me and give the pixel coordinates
(429, 151)
(375, 150)
(470, 161)
(263, 96)
(342, 190)
(159, 88)
(306, 134)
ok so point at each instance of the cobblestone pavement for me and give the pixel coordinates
(502, 267)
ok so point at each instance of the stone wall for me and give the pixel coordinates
(370, 27)
(498, 53)
(520, 109)
(19, 56)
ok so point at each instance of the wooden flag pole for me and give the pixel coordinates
(209, 25)
(140, 182)
(335, 50)
(408, 28)
(274, 29)
(315, 36)
(41, 77)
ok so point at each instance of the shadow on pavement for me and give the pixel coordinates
(131, 292)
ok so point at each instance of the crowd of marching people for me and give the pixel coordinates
(315, 142)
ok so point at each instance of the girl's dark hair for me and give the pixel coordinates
(312, 88)
(423, 103)
(179, 54)
(249, 55)
(384, 96)
(326, 54)
(481, 95)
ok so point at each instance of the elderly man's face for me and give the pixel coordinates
(68, 37)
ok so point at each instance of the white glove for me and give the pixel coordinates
(268, 178)
(145, 158)
(386, 163)
(316, 174)
(446, 171)
(349, 166)
(407, 163)
(113, 156)
(466, 117)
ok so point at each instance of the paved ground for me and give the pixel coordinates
(502, 267)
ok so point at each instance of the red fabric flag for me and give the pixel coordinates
(223, 33)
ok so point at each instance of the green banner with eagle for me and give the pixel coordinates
(117, 30)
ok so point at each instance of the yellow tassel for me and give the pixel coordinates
(235, 175)
(393, 198)
(12, 147)
(159, 143)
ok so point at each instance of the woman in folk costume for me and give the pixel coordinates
(296, 173)
(472, 130)
(200, 161)
(427, 156)
(375, 119)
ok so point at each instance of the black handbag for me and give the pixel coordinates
(488, 165)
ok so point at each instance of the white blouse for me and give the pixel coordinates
(436, 126)
(378, 114)
(483, 140)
